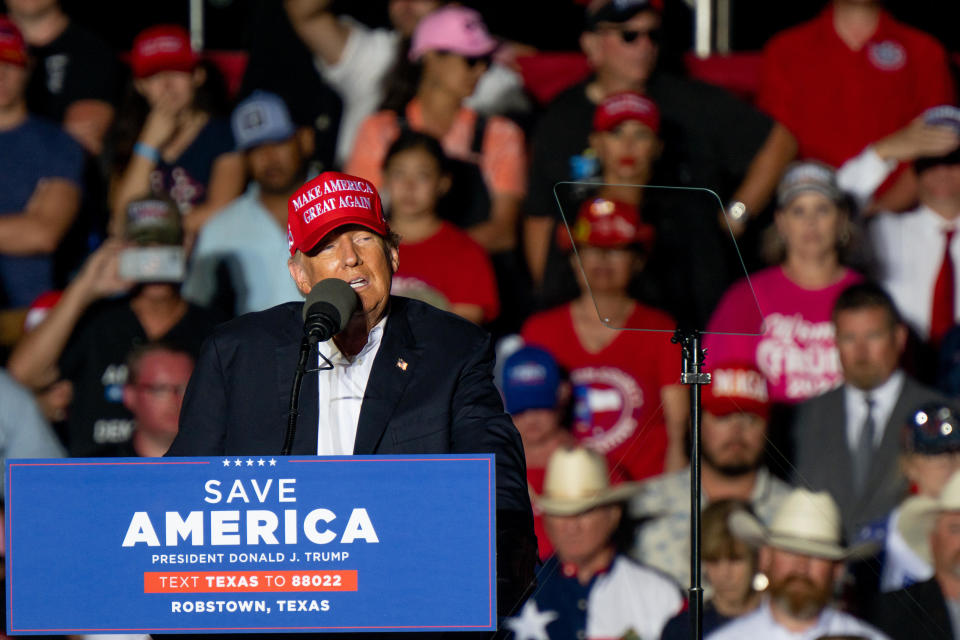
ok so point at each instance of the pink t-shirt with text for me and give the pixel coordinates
(796, 351)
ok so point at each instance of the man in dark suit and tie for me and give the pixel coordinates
(848, 439)
(405, 378)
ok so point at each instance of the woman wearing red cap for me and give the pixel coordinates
(174, 147)
(627, 400)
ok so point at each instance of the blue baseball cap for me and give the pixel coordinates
(261, 118)
(531, 378)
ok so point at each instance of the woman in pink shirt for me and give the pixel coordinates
(795, 349)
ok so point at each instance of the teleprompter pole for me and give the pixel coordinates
(692, 358)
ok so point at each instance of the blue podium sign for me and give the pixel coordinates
(251, 544)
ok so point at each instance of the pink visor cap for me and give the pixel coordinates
(329, 201)
(455, 29)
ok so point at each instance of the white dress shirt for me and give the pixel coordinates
(909, 248)
(884, 400)
(341, 393)
(760, 624)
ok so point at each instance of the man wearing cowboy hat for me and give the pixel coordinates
(588, 589)
(929, 609)
(802, 556)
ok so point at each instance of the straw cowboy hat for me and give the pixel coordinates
(807, 523)
(576, 481)
(919, 514)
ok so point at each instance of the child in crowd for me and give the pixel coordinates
(439, 263)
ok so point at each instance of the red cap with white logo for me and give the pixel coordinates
(165, 47)
(626, 105)
(329, 201)
(736, 388)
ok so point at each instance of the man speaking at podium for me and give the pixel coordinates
(405, 377)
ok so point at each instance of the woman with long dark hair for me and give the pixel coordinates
(168, 141)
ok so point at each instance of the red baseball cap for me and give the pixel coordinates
(165, 47)
(736, 388)
(607, 224)
(332, 200)
(13, 49)
(626, 105)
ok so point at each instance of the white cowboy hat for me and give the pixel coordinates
(807, 523)
(576, 481)
(918, 515)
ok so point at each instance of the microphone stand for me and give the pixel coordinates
(307, 345)
(692, 360)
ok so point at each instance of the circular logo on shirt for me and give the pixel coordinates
(887, 55)
(605, 402)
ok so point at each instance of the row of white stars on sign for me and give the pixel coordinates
(249, 462)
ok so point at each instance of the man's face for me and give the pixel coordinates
(733, 444)
(800, 586)
(626, 63)
(582, 537)
(870, 344)
(945, 544)
(357, 256)
(13, 82)
(156, 396)
(939, 183)
(406, 14)
(276, 166)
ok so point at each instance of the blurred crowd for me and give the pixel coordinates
(809, 230)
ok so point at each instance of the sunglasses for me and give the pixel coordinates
(628, 36)
(475, 60)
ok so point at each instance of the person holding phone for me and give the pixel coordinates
(86, 337)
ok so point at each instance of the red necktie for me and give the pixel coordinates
(941, 317)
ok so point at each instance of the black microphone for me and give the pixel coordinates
(326, 312)
(328, 308)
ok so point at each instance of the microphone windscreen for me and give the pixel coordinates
(335, 292)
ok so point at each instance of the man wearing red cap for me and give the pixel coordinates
(406, 378)
(736, 409)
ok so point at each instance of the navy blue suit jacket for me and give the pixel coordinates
(442, 401)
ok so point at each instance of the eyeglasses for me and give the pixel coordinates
(628, 36)
(475, 60)
(163, 389)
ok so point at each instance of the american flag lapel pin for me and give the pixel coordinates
(401, 364)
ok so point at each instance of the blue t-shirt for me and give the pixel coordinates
(29, 153)
(186, 179)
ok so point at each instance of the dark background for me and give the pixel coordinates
(545, 24)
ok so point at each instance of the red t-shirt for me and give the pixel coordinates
(617, 409)
(448, 266)
(836, 100)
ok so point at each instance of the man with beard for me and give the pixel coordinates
(735, 412)
(802, 555)
(928, 609)
(848, 439)
(239, 261)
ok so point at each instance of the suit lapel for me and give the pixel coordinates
(305, 441)
(394, 366)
